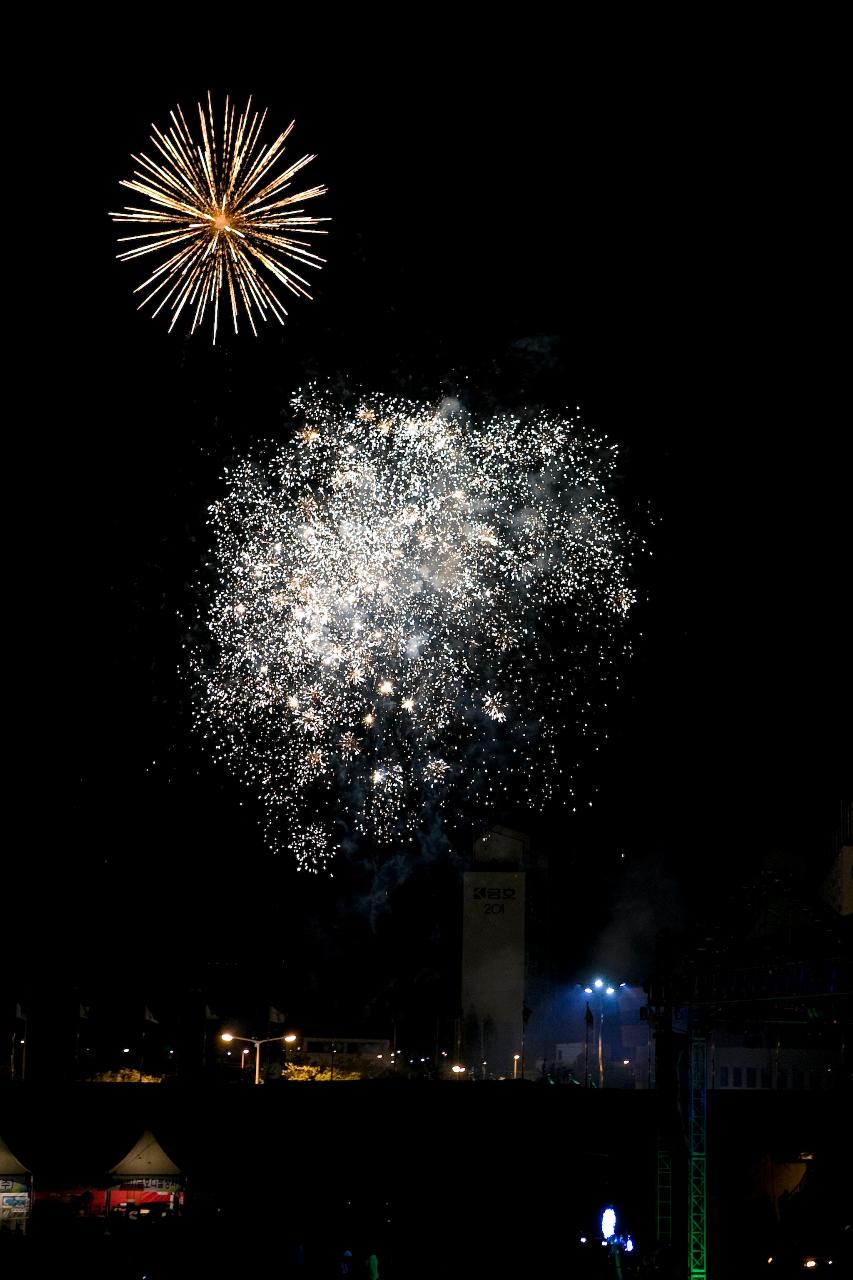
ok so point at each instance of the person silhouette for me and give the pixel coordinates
(345, 1265)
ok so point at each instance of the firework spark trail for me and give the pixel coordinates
(379, 617)
(220, 211)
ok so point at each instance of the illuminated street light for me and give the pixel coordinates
(603, 988)
(227, 1036)
(515, 1058)
(290, 1040)
(457, 1071)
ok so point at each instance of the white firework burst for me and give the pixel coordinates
(381, 611)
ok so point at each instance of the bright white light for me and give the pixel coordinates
(378, 627)
(227, 1036)
(626, 1062)
(610, 991)
(629, 1245)
(588, 991)
(583, 1239)
(608, 1223)
(598, 984)
(125, 1051)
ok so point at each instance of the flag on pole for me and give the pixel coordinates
(85, 1010)
(276, 1016)
(588, 1015)
(19, 1013)
(210, 1015)
(149, 1016)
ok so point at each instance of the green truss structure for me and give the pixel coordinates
(697, 1184)
(664, 1193)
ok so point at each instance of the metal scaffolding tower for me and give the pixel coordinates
(664, 1193)
(697, 1186)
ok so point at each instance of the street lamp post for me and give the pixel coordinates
(587, 1019)
(290, 1040)
(602, 989)
(228, 1037)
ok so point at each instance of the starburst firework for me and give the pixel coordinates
(382, 616)
(227, 221)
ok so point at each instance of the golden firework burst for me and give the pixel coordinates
(227, 222)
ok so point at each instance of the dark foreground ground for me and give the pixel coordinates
(437, 1180)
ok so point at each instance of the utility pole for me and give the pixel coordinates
(587, 1019)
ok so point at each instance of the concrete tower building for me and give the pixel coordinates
(500, 976)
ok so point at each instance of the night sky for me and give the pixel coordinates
(548, 222)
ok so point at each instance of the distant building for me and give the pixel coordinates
(838, 885)
(735, 1064)
(356, 1051)
(504, 931)
(626, 1047)
(354, 1046)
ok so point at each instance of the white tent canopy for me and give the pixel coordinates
(146, 1159)
(9, 1163)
